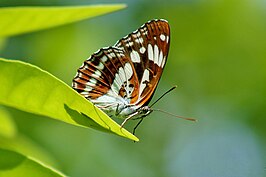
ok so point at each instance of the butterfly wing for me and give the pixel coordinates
(129, 71)
(107, 78)
(147, 48)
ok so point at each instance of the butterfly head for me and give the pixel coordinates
(144, 111)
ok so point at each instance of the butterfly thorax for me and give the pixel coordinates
(124, 110)
(133, 112)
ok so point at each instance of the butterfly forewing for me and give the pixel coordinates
(128, 72)
(148, 49)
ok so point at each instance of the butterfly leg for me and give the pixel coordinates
(117, 110)
(127, 119)
(134, 130)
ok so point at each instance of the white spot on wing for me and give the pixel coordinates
(122, 77)
(117, 83)
(87, 89)
(135, 56)
(150, 52)
(162, 37)
(145, 77)
(139, 40)
(112, 54)
(153, 54)
(79, 75)
(156, 54)
(129, 44)
(160, 58)
(129, 73)
(128, 70)
(100, 66)
(142, 50)
(96, 74)
(85, 66)
(93, 81)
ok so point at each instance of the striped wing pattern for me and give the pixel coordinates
(122, 78)
(148, 49)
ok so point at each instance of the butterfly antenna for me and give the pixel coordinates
(171, 89)
(181, 117)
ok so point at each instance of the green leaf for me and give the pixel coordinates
(29, 88)
(24, 145)
(10, 139)
(18, 20)
(15, 164)
(7, 126)
(2, 43)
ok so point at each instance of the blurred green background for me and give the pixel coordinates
(217, 58)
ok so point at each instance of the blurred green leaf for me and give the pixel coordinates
(26, 146)
(10, 139)
(18, 20)
(29, 88)
(2, 43)
(7, 126)
(15, 164)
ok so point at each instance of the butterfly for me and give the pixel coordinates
(121, 79)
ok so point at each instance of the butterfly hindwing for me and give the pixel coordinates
(107, 72)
